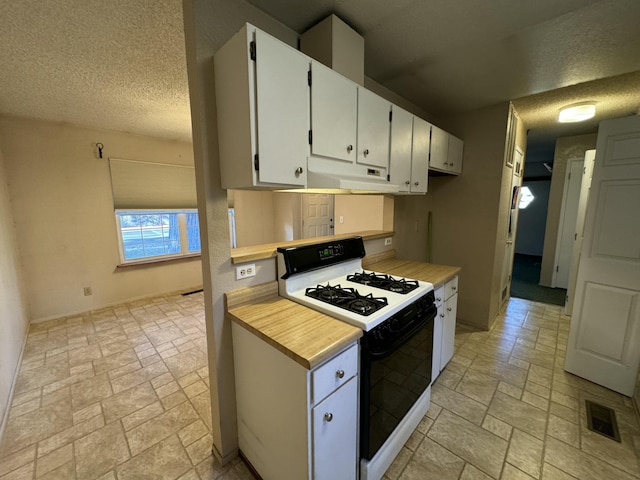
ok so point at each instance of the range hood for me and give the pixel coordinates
(347, 176)
(348, 184)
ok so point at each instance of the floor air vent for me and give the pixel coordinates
(602, 420)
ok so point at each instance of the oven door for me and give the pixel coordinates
(395, 368)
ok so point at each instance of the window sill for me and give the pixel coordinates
(157, 261)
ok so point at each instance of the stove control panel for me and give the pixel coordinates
(318, 255)
(330, 251)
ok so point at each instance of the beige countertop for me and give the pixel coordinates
(304, 335)
(427, 272)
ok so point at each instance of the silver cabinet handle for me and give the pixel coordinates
(328, 416)
(366, 152)
(340, 373)
(349, 148)
(448, 309)
(417, 183)
(299, 171)
(438, 299)
(442, 315)
(454, 288)
(407, 182)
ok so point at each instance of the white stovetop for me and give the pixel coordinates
(295, 286)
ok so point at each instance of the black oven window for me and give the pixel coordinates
(396, 381)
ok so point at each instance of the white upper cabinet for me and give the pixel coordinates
(446, 152)
(373, 129)
(420, 156)
(334, 111)
(262, 97)
(439, 148)
(409, 154)
(401, 146)
(454, 155)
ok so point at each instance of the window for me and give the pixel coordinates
(157, 234)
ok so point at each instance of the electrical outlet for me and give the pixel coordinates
(87, 291)
(245, 271)
(341, 219)
(387, 241)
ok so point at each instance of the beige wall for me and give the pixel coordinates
(208, 24)
(65, 225)
(13, 309)
(566, 148)
(465, 213)
(359, 212)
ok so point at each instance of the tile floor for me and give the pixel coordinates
(504, 408)
(122, 393)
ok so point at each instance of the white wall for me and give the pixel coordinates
(13, 312)
(65, 224)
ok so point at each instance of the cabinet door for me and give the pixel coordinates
(439, 147)
(420, 157)
(454, 154)
(438, 323)
(334, 101)
(401, 144)
(373, 129)
(448, 330)
(335, 432)
(282, 97)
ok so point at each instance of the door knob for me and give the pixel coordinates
(349, 148)
(366, 152)
(328, 416)
(299, 171)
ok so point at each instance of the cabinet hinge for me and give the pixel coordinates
(309, 77)
(388, 178)
(256, 162)
(252, 50)
(390, 115)
(557, 268)
(569, 178)
(310, 138)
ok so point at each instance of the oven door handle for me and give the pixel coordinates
(429, 316)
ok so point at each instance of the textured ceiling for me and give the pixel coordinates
(120, 64)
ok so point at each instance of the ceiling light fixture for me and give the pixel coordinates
(577, 113)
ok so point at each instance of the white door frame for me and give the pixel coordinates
(562, 219)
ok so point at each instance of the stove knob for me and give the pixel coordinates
(394, 325)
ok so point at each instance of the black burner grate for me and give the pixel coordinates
(384, 282)
(347, 298)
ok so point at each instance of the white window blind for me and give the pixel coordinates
(147, 185)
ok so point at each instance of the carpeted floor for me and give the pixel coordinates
(525, 278)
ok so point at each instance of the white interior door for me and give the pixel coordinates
(604, 338)
(585, 185)
(567, 230)
(317, 215)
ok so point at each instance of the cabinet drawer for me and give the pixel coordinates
(439, 294)
(337, 371)
(451, 287)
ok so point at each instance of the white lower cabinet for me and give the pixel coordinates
(335, 434)
(444, 329)
(295, 423)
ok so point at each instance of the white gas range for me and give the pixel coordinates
(396, 315)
